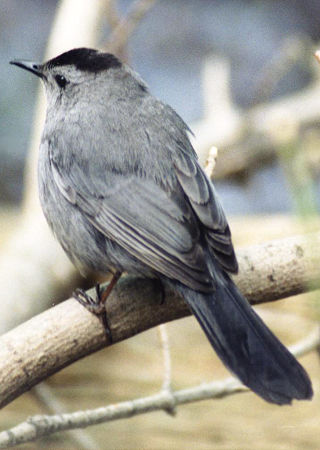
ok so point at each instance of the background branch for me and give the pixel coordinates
(248, 139)
(122, 28)
(44, 345)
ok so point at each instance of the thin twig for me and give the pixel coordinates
(167, 378)
(121, 33)
(292, 50)
(39, 426)
(45, 395)
(211, 161)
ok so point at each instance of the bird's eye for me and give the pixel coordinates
(61, 81)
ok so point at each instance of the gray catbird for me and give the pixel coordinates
(122, 189)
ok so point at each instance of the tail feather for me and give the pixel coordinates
(246, 345)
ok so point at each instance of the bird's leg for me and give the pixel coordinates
(97, 305)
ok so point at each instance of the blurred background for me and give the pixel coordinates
(243, 76)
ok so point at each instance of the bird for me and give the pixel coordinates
(122, 189)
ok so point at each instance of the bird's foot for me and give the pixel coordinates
(95, 305)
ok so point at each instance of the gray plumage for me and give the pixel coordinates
(121, 188)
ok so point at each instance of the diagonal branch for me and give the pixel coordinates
(44, 345)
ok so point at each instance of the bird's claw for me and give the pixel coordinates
(94, 305)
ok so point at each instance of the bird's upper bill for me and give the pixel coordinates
(33, 67)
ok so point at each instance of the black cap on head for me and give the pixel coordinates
(86, 59)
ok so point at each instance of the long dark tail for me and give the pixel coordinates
(245, 344)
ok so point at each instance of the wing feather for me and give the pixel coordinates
(205, 203)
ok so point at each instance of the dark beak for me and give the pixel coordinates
(29, 65)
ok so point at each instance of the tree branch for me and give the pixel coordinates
(248, 139)
(166, 400)
(43, 345)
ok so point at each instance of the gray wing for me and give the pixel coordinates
(157, 228)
